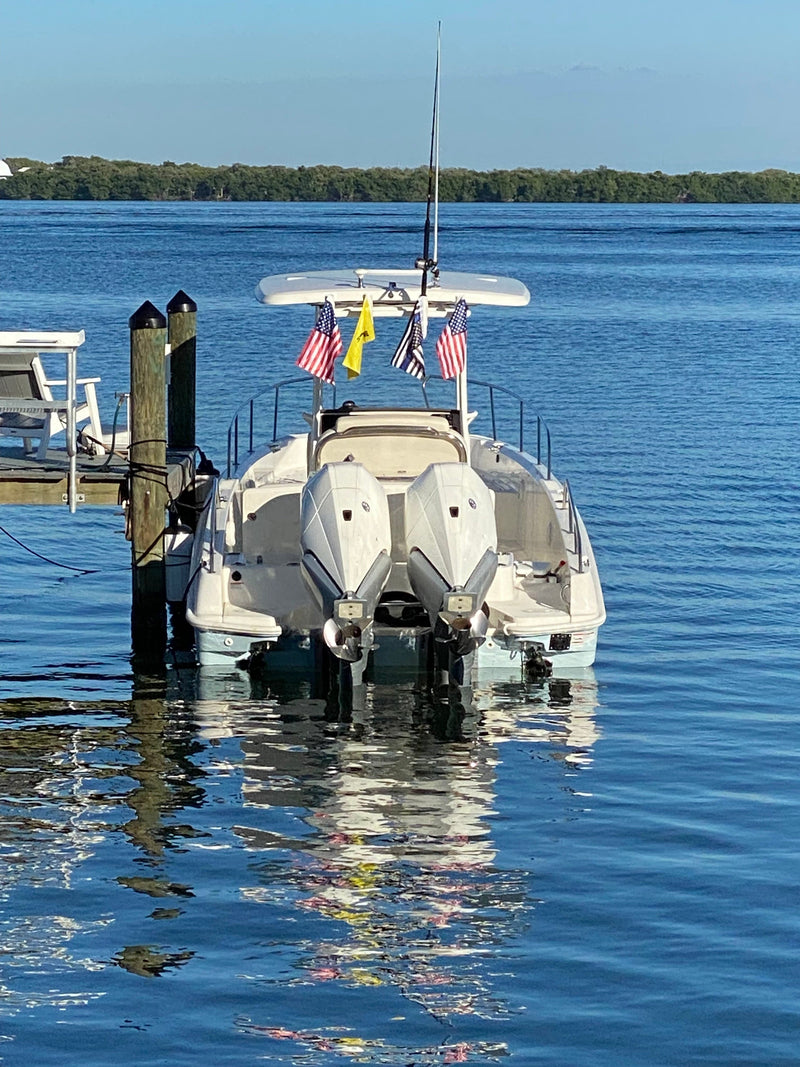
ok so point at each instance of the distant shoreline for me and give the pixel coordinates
(93, 178)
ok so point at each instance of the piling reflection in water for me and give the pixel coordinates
(48, 831)
(75, 777)
(366, 836)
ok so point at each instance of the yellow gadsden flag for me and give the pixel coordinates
(364, 332)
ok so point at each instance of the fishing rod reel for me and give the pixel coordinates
(424, 263)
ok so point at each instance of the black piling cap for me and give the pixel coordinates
(148, 317)
(180, 302)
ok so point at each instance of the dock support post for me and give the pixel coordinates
(182, 337)
(148, 491)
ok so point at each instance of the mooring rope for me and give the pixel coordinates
(45, 559)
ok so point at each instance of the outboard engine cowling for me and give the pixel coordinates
(451, 536)
(346, 544)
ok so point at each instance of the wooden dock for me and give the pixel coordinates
(156, 475)
(27, 480)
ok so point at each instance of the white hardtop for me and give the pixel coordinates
(40, 341)
(392, 292)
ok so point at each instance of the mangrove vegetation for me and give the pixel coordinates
(93, 178)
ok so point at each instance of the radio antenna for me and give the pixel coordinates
(427, 263)
(436, 161)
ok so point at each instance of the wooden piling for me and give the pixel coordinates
(148, 489)
(182, 336)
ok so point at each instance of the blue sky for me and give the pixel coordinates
(632, 84)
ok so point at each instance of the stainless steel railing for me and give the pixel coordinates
(542, 430)
(263, 410)
(258, 411)
(574, 525)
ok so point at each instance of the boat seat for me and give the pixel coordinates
(389, 448)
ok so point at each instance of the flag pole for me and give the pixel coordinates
(426, 263)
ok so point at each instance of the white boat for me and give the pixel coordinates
(388, 533)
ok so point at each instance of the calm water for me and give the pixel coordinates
(595, 871)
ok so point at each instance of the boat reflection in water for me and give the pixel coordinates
(364, 852)
(377, 826)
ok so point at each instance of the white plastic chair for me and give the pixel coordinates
(28, 408)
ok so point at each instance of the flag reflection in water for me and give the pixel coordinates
(376, 833)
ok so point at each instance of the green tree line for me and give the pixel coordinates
(94, 178)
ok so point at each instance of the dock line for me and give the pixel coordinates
(55, 563)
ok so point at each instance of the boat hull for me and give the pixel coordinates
(541, 598)
(395, 654)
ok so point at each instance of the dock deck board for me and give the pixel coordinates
(26, 480)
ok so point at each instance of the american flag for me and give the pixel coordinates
(451, 348)
(409, 356)
(324, 344)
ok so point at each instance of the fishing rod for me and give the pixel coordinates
(426, 263)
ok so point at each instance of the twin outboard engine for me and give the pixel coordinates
(451, 536)
(346, 543)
